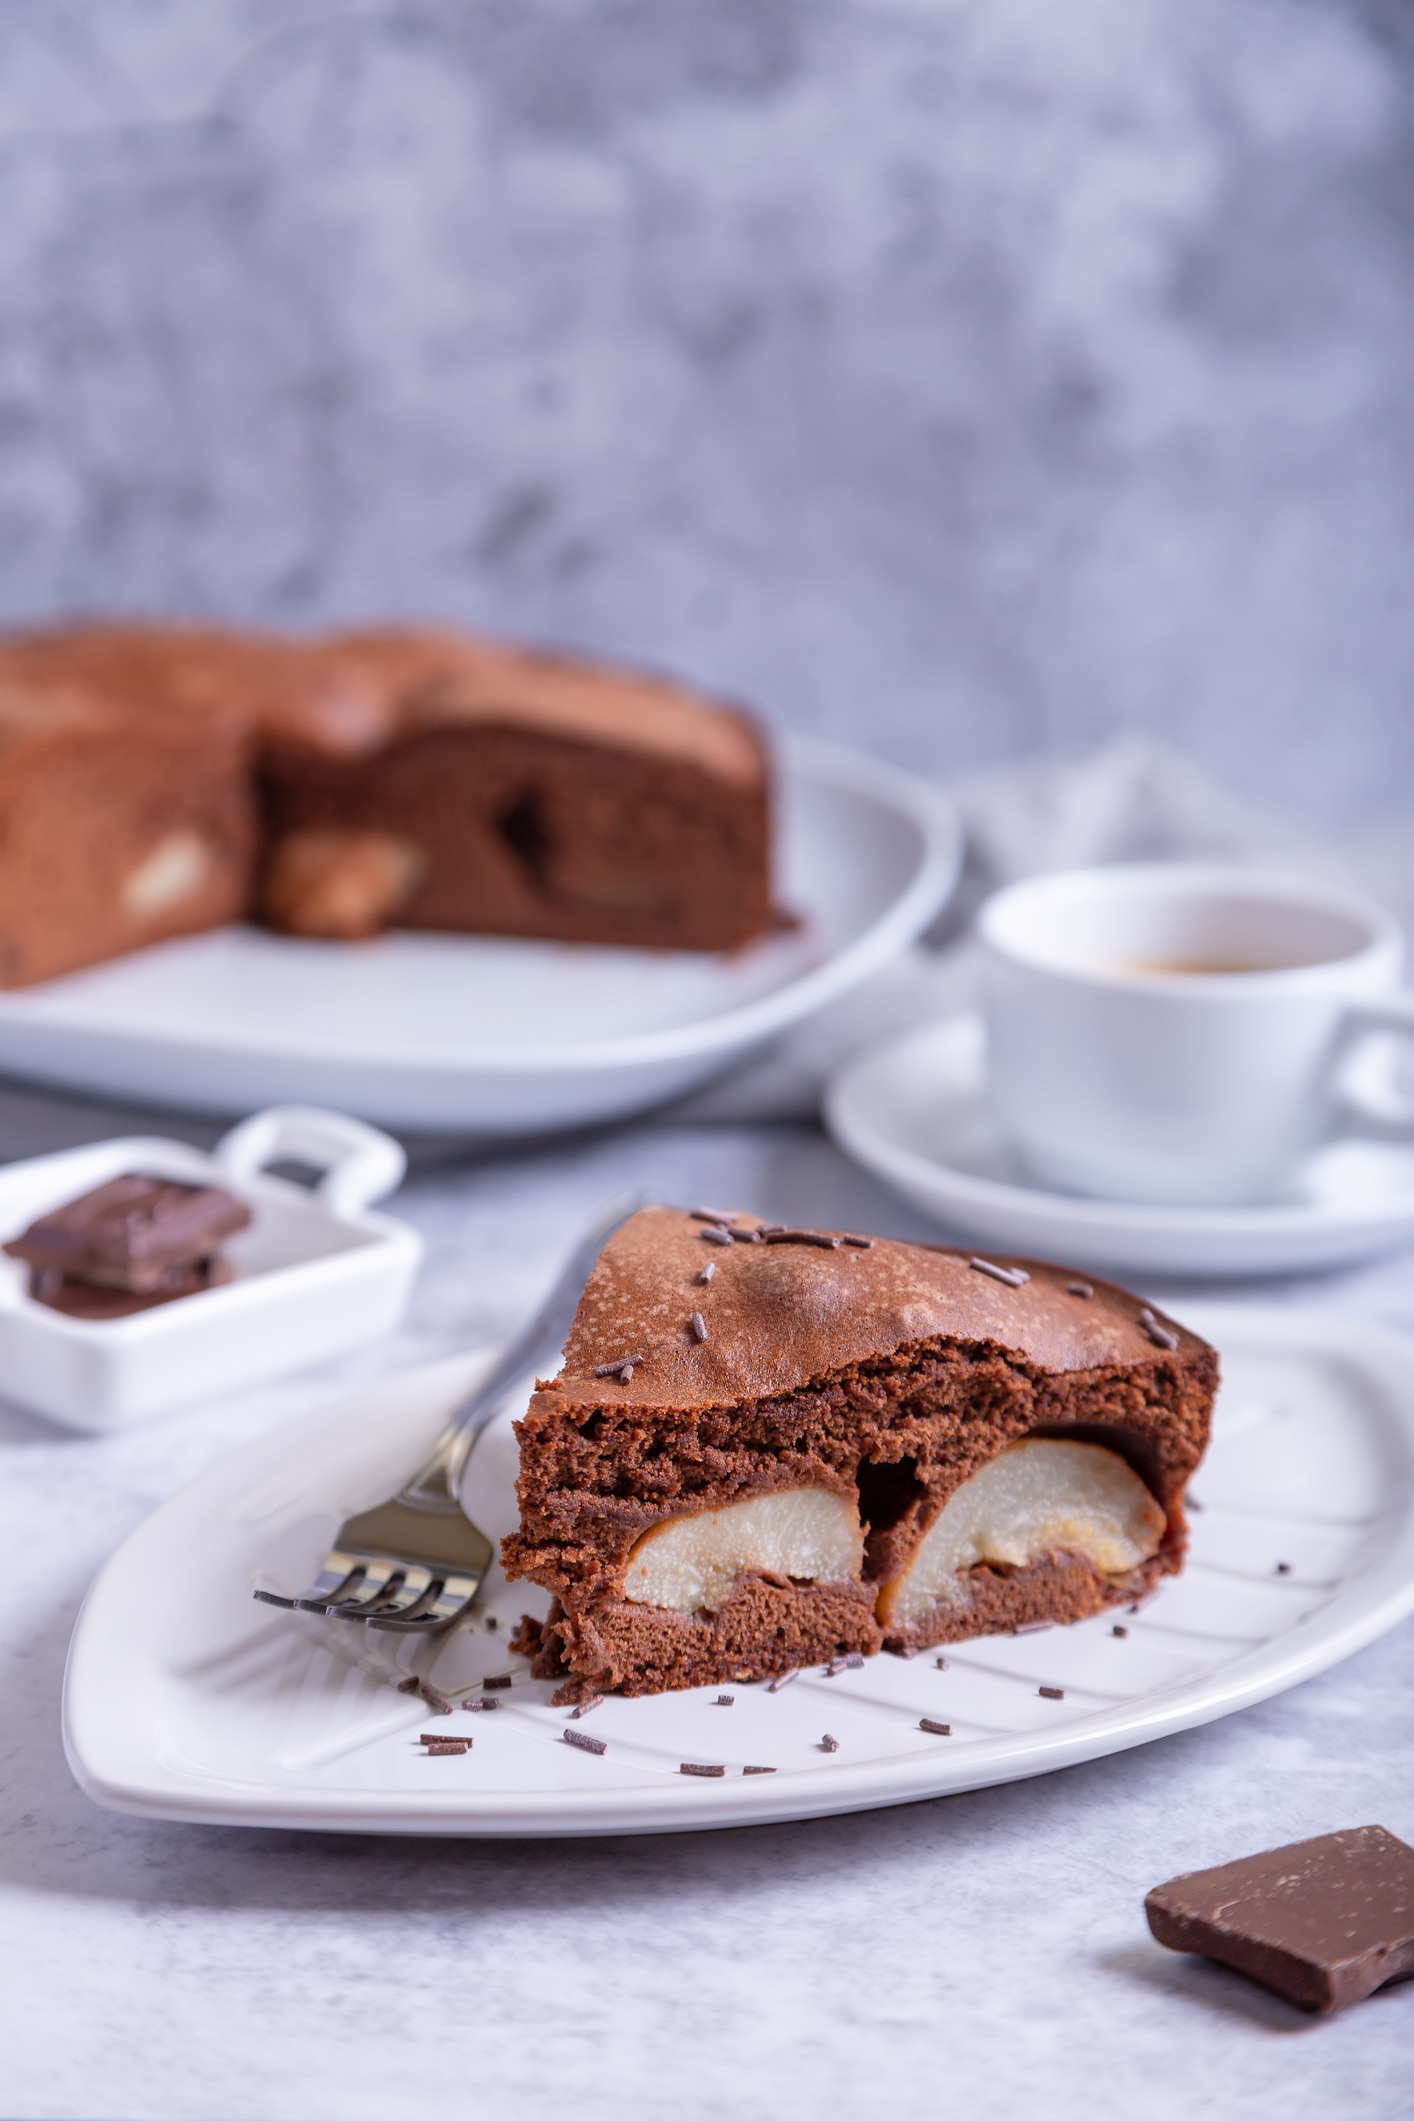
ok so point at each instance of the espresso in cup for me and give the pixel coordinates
(1172, 1032)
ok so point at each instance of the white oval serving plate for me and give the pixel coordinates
(913, 1109)
(184, 1699)
(493, 1036)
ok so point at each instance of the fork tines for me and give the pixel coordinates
(382, 1593)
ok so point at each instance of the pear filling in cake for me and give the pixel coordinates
(176, 868)
(338, 884)
(689, 1564)
(1040, 1496)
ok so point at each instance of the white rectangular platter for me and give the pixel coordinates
(186, 1700)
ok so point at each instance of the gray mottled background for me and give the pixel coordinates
(967, 377)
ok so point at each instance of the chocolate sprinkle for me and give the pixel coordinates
(409, 1686)
(707, 1272)
(783, 1679)
(1051, 1693)
(1079, 1288)
(492, 1623)
(825, 1239)
(502, 1679)
(1014, 1277)
(724, 1701)
(939, 1730)
(621, 1367)
(441, 1738)
(861, 1244)
(585, 1743)
(715, 1234)
(1033, 1627)
(1283, 1568)
(1117, 1630)
(447, 1745)
(1160, 1335)
(941, 1663)
(758, 1771)
(713, 1215)
(582, 1708)
(697, 1325)
(483, 1701)
(829, 1744)
(693, 1767)
(438, 1703)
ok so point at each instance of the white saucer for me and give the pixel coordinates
(486, 1035)
(913, 1110)
(186, 1700)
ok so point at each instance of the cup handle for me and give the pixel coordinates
(1372, 1105)
(359, 1163)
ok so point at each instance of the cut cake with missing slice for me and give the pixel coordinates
(838, 1444)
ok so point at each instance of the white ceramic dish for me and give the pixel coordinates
(913, 1110)
(318, 1273)
(493, 1036)
(200, 1704)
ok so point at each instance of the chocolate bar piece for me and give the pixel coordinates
(86, 1299)
(139, 1234)
(1323, 1922)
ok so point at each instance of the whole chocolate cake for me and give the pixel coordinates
(440, 781)
(159, 780)
(769, 1447)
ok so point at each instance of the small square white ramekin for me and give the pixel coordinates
(317, 1273)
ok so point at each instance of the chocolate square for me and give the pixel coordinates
(1323, 1922)
(136, 1233)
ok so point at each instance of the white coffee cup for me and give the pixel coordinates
(1177, 1032)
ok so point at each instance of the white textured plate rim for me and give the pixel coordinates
(860, 1139)
(1365, 1608)
(808, 758)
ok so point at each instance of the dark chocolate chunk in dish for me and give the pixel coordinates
(1323, 1923)
(86, 1299)
(877, 1447)
(137, 1234)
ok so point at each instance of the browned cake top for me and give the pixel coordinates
(349, 694)
(138, 669)
(778, 1313)
(380, 686)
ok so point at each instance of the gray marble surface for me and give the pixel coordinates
(978, 376)
(984, 1952)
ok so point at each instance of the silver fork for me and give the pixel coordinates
(416, 1561)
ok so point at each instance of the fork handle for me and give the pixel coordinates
(436, 1485)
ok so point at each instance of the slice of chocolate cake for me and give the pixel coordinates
(769, 1447)
(439, 781)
